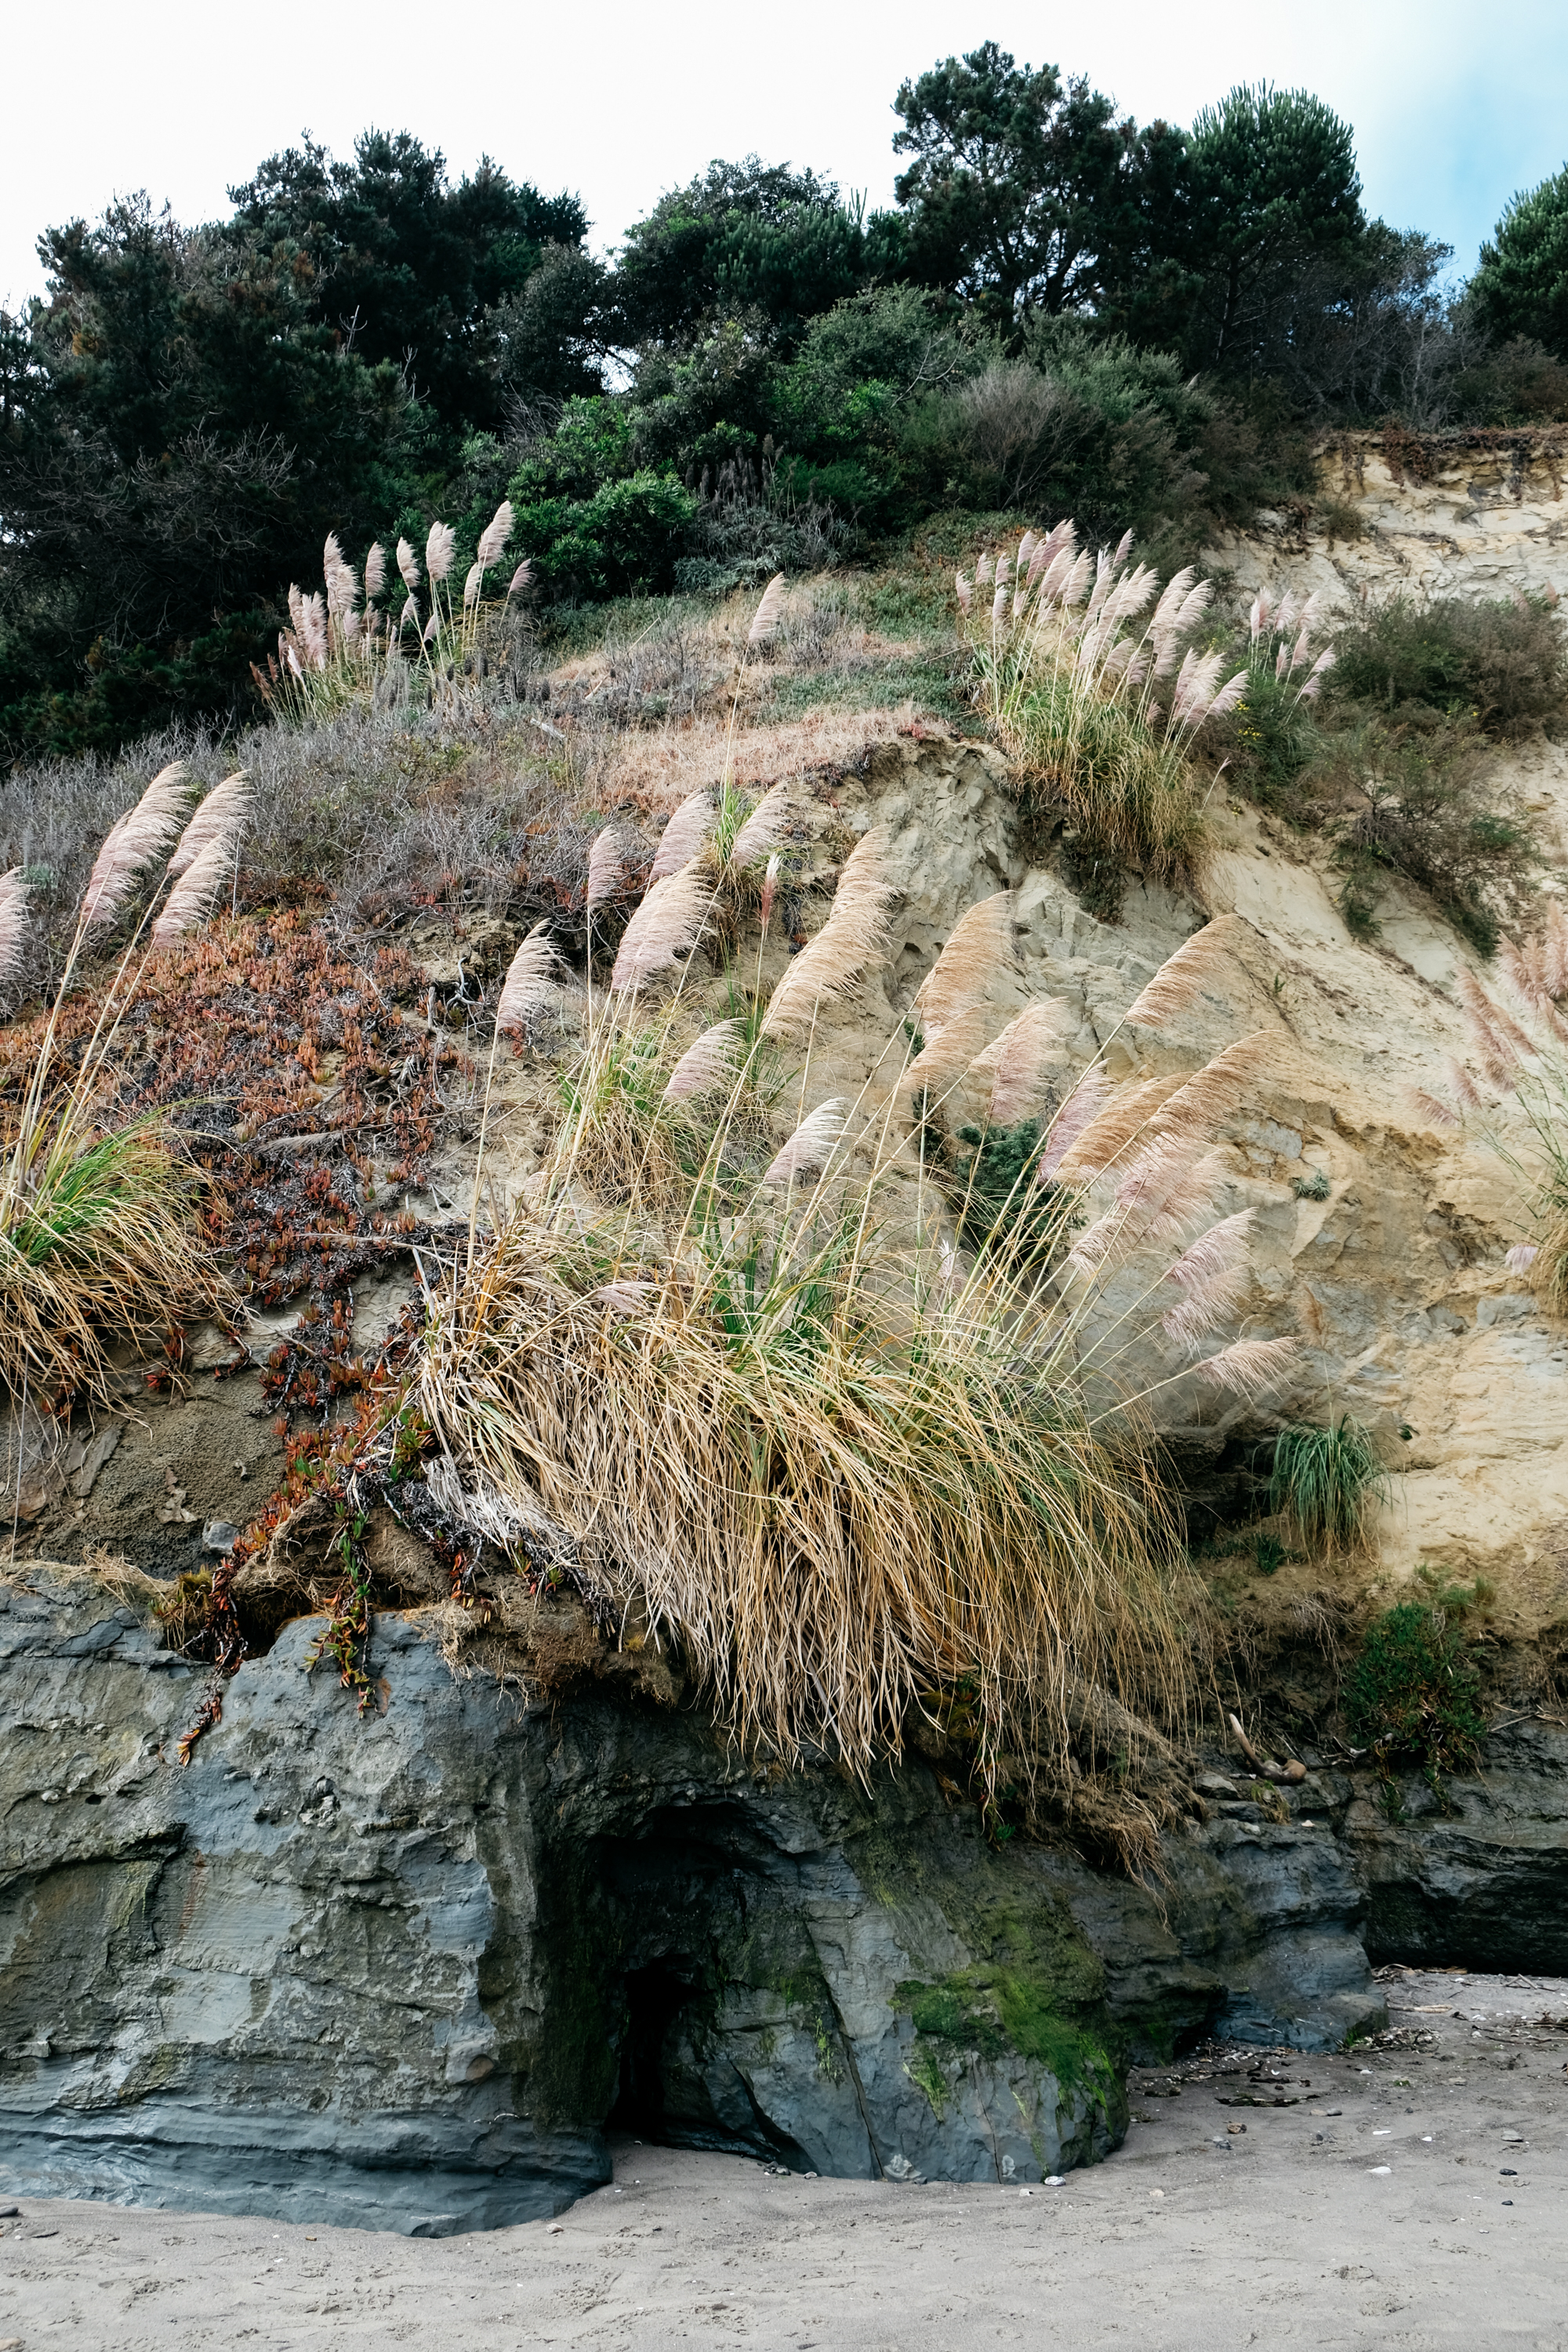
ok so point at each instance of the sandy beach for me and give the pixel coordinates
(1414, 2193)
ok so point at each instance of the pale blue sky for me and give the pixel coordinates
(1455, 106)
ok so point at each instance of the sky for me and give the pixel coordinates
(1456, 106)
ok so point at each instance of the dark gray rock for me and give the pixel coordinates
(403, 1968)
(1480, 1878)
(398, 1970)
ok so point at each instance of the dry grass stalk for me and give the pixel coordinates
(532, 981)
(684, 836)
(853, 938)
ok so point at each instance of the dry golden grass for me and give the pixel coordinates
(658, 768)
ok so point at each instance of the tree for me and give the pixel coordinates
(747, 238)
(1024, 187)
(401, 264)
(180, 435)
(1520, 286)
(1268, 189)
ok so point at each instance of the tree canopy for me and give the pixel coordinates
(1522, 285)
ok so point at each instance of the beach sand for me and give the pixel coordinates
(1415, 2194)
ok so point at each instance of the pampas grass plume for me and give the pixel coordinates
(707, 1064)
(1017, 1062)
(974, 952)
(530, 979)
(408, 564)
(606, 864)
(440, 549)
(142, 835)
(219, 816)
(13, 922)
(762, 829)
(854, 935)
(1250, 1367)
(374, 571)
(684, 836)
(494, 537)
(666, 925)
(520, 577)
(811, 1144)
(1182, 976)
(765, 620)
(190, 902)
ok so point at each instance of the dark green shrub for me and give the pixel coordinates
(1327, 1480)
(1414, 1691)
(998, 1204)
(1502, 665)
(626, 536)
(1431, 815)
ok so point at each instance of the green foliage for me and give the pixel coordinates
(998, 1204)
(418, 265)
(1327, 1480)
(1313, 1186)
(744, 238)
(1522, 285)
(1413, 1692)
(1024, 191)
(623, 539)
(1270, 185)
(1430, 814)
(1502, 665)
(1270, 1554)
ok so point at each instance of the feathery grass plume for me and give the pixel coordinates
(854, 936)
(374, 571)
(408, 564)
(431, 630)
(1432, 1108)
(1074, 696)
(1081, 1109)
(140, 837)
(520, 578)
(812, 1145)
(606, 868)
(946, 1054)
(975, 951)
(1213, 1273)
(472, 585)
(1017, 1062)
(769, 891)
(665, 927)
(1123, 1117)
(192, 900)
(708, 1064)
(440, 547)
(684, 836)
(533, 977)
(223, 812)
(762, 826)
(1520, 1257)
(12, 923)
(1181, 976)
(1213, 1093)
(1250, 1368)
(410, 615)
(766, 620)
(494, 536)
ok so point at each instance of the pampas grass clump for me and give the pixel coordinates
(1099, 704)
(99, 1237)
(757, 1386)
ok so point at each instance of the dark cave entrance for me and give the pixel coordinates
(655, 1997)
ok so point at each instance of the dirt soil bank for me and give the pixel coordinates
(1414, 2195)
